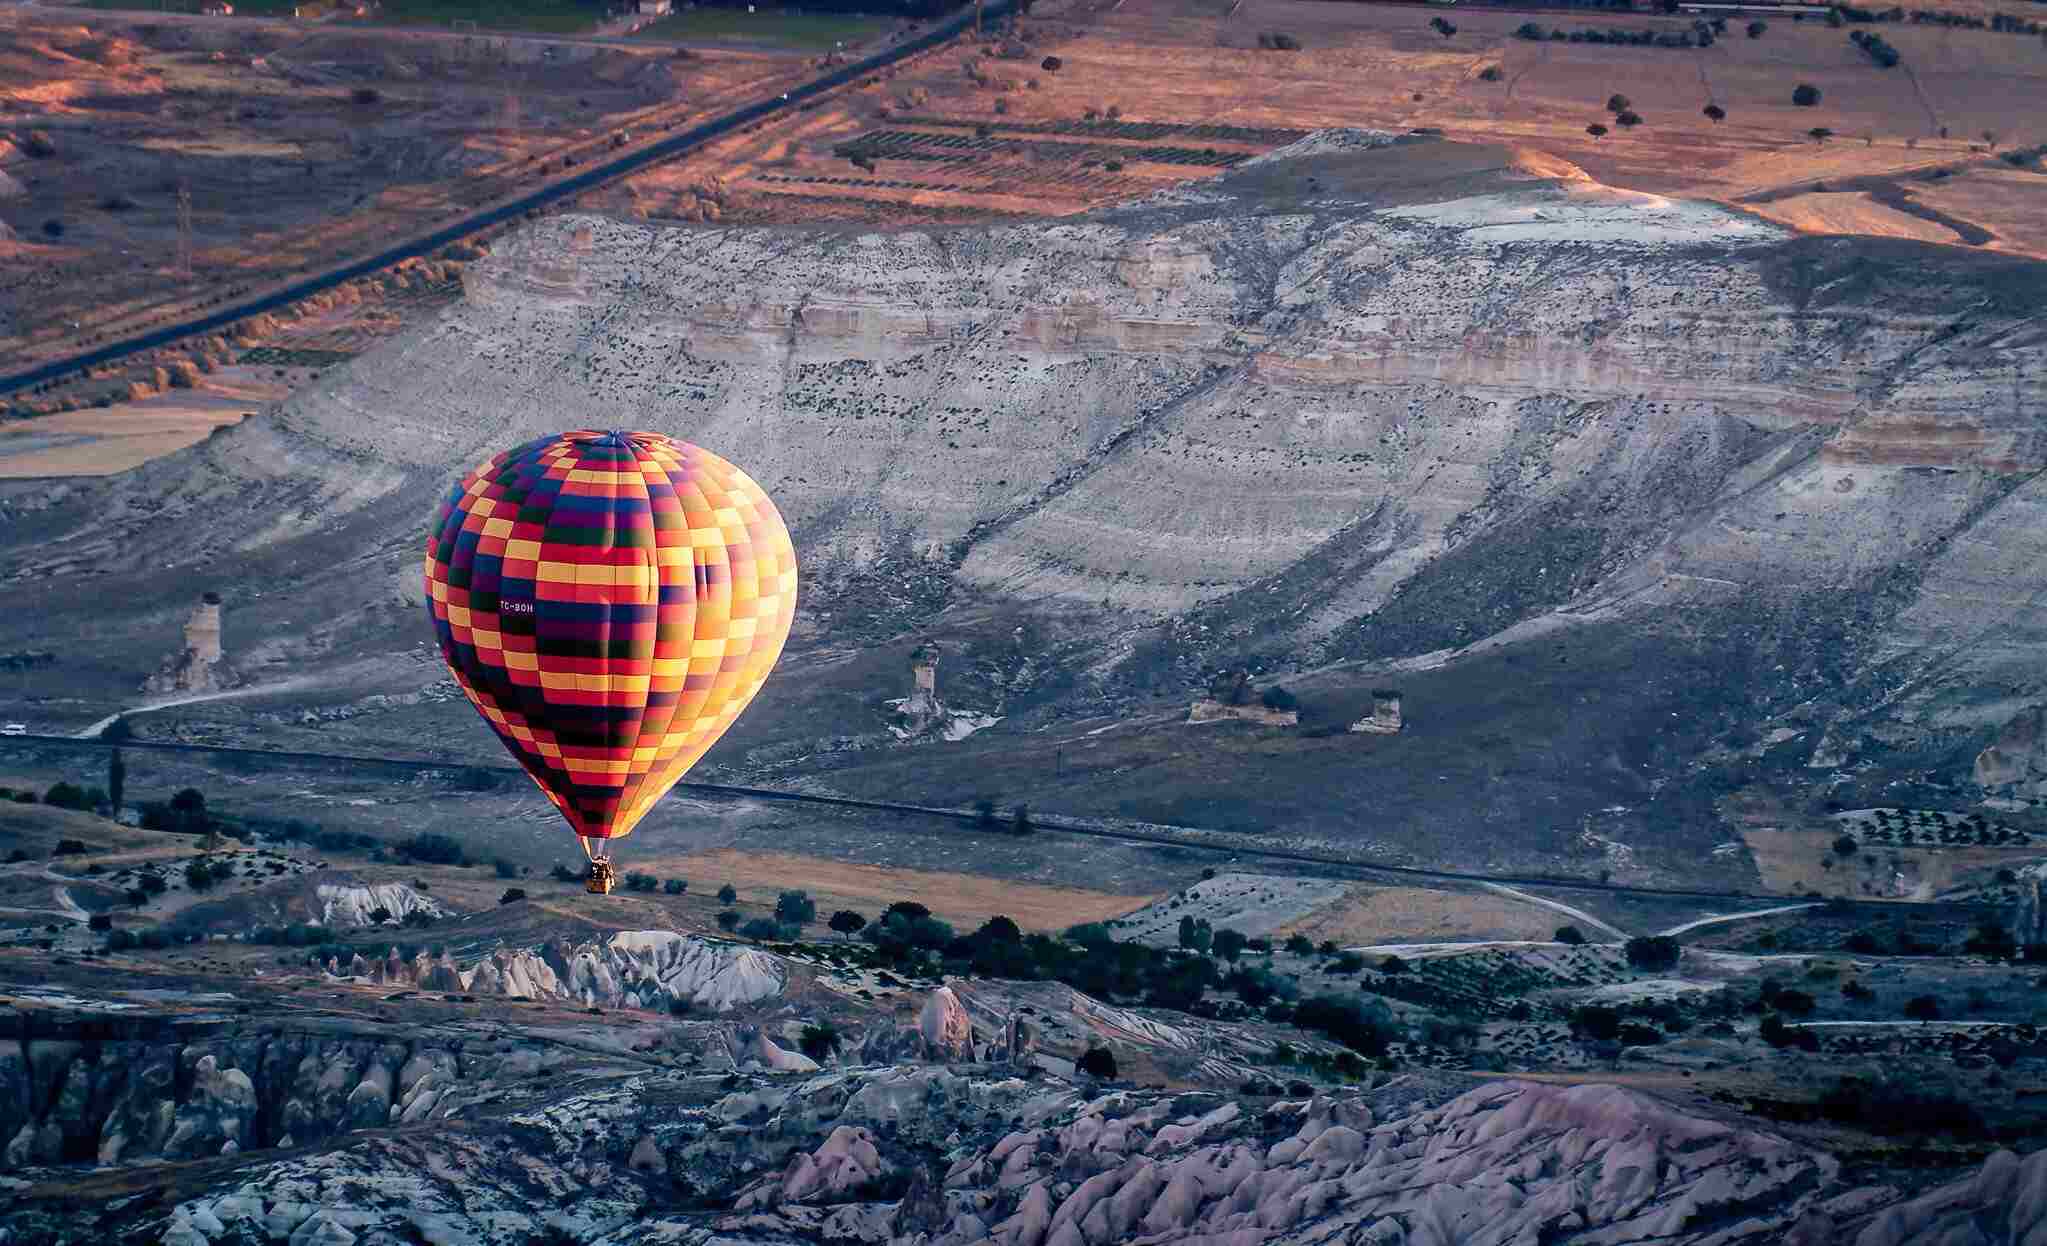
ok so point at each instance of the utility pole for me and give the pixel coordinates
(184, 231)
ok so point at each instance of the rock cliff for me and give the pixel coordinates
(627, 969)
(1388, 416)
(931, 1156)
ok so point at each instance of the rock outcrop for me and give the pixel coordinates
(113, 1092)
(2018, 755)
(629, 969)
(839, 1157)
(947, 1030)
(1406, 423)
(353, 904)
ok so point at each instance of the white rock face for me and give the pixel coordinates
(350, 904)
(629, 969)
(947, 1029)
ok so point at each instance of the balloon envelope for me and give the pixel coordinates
(609, 602)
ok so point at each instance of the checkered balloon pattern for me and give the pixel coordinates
(609, 602)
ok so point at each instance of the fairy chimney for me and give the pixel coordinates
(1385, 716)
(921, 710)
(198, 666)
(202, 630)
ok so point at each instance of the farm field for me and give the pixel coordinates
(101, 441)
(1148, 93)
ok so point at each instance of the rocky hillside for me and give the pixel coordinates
(908, 1154)
(1390, 403)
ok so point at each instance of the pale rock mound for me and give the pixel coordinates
(350, 904)
(629, 969)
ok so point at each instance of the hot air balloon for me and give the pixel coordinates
(609, 602)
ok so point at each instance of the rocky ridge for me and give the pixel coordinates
(626, 969)
(941, 1157)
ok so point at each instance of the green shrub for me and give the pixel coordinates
(433, 848)
(795, 908)
(1653, 953)
(820, 1040)
(1363, 1027)
(766, 930)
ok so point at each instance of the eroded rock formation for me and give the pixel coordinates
(629, 969)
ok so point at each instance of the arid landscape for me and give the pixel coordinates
(1418, 625)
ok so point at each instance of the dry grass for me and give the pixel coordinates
(1851, 213)
(964, 900)
(103, 441)
(1791, 862)
(1380, 67)
(1420, 915)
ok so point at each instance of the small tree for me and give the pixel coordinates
(1923, 1008)
(763, 930)
(1805, 95)
(675, 886)
(1098, 1062)
(1756, 29)
(1596, 130)
(728, 894)
(795, 908)
(847, 922)
(1845, 846)
(1393, 965)
(1628, 120)
(1654, 953)
(819, 1040)
(728, 920)
(379, 915)
(512, 895)
(505, 869)
(1715, 113)
(199, 876)
(1300, 945)
(1570, 935)
(1229, 944)
(1617, 103)
(1820, 134)
(1278, 698)
(984, 814)
(1020, 821)
(1050, 64)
